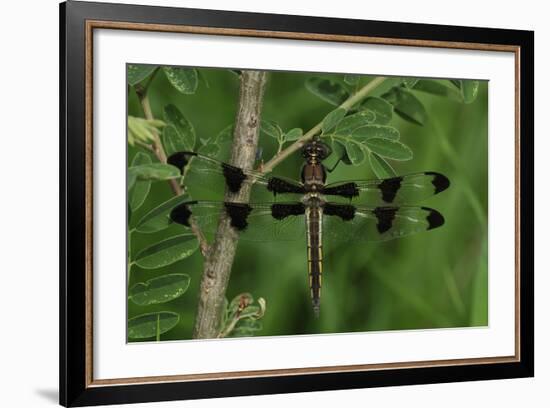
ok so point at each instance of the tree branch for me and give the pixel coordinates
(160, 154)
(218, 263)
(347, 104)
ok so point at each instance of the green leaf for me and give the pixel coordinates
(141, 189)
(137, 73)
(271, 128)
(184, 136)
(131, 180)
(381, 167)
(352, 79)
(410, 82)
(469, 90)
(167, 252)
(375, 131)
(154, 171)
(293, 134)
(185, 80)
(158, 218)
(328, 90)
(170, 140)
(210, 149)
(355, 153)
(391, 149)
(333, 119)
(438, 87)
(150, 324)
(406, 105)
(338, 153)
(381, 108)
(246, 327)
(352, 122)
(159, 290)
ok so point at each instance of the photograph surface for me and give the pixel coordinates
(269, 203)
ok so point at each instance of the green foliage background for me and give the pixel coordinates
(429, 280)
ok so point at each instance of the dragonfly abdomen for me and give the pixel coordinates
(314, 254)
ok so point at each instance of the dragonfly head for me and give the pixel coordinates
(315, 150)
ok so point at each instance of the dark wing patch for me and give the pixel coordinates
(385, 217)
(281, 211)
(238, 213)
(182, 213)
(181, 160)
(389, 188)
(234, 177)
(345, 211)
(278, 185)
(401, 190)
(440, 182)
(348, 190)
(435, 219)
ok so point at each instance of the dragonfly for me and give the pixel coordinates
(312, 210)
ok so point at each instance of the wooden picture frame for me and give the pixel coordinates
(78, 20)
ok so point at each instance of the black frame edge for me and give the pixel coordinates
(72, 387)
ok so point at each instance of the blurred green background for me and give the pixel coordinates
(429, 280)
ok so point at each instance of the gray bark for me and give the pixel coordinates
(219, 260)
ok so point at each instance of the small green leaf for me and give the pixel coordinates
(137, 73)
(211, 150)
(375, 131)
(333, 119)
(406, 105)
(381, 108)
(170, 140)
(154, 171)
(352, 79)
(328, 90)
(246, 327)
(271, 128)
(140, 191)
(410, 82)
(293, 134)
(150, 324)
(167, 252)
(381, 167)
(159, 290)
(131, 180)
(439, 87)
(158, 218)
(355, 153)
(184, 136)
(391, 149)
(185, 80)
(469, 90)
(338, 153)
(352, 122)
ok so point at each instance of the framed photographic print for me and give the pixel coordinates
(256, 203)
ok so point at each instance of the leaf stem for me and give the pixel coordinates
(347, 104)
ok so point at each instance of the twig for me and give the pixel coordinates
(347, 104)
(160, 154)
(217, 267)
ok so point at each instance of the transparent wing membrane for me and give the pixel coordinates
(393, 191)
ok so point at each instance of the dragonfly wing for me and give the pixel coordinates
(346, 222)
(260, 222)
(410, 188)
